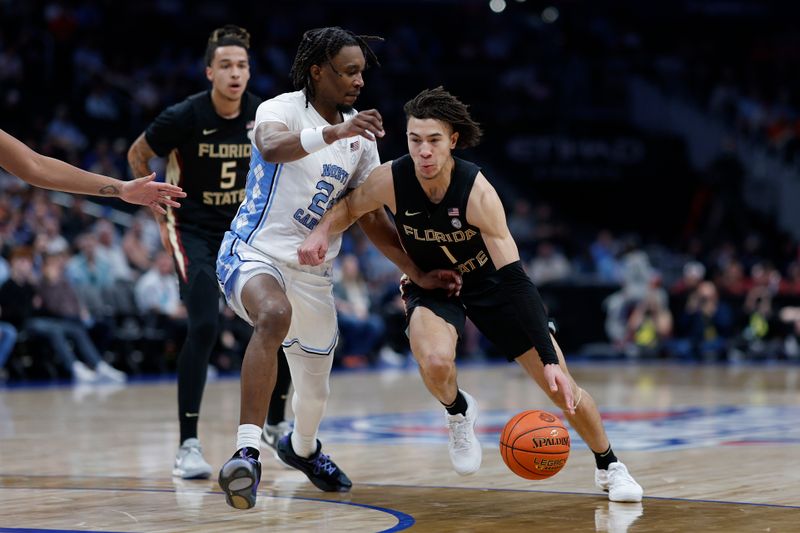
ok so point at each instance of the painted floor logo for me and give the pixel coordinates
(676, 428)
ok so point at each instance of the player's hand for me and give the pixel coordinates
(558, 382)
(145, 191)
(368, 124)
(450, 280)
(313, 250)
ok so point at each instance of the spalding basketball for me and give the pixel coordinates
(535, 444)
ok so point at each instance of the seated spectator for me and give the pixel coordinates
(706, 325)
(65, 318)
(8, 338)
(757, 337)
(604, 252)
(137, 252)
(649, 325)
(637, 274)
(110, 251)
(693, 273)
(361, 331)
(549, 265)
(157, 291)
(790, 317)
(732, 281)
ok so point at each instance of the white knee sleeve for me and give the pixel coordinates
(311, 389)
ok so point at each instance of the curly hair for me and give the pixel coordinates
(322, 44)
(441, 105)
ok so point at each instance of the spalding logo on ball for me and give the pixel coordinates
(535, 444)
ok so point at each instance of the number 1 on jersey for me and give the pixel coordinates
(449, 255)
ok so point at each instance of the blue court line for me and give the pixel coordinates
(29, 530)
(404, 521)
(540, 491)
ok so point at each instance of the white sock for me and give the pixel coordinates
(248, 435)
(311, 390)
(303, 446)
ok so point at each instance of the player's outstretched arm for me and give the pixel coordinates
(374, 193)
(49, 173)
(278, 144)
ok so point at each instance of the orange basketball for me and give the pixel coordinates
(535, 444)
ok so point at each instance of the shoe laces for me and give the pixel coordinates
(459, 431)
(323, 462)
(619, 475)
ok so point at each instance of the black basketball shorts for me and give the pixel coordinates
(508, 310)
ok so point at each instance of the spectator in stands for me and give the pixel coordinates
(67, 318)
(8, 338)
(109, 251)
(649, 324)
(604, 251)
(157, 290)
(706, 325)
(692, 274)
(137, 253)
(361, 330)
(548, 265)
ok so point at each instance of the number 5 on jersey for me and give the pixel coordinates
(227, 175)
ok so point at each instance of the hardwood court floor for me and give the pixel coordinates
(716, 449)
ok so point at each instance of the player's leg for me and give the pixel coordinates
(260, 297)
(611, 474)
(195, 260)
(433, 343)
(309, 352)
(276, 425)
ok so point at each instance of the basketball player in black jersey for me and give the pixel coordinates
(448, 215)
(207, 141)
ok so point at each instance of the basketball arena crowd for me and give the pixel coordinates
(647, 237)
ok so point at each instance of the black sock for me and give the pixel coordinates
(277, 404)
(459, 405)
(605, 458)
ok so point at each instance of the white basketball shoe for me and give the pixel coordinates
(465, 449)
(619, 484)
(189, 462)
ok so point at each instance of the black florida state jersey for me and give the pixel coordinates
(208, 156)
(438, 235)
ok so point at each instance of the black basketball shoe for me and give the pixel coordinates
(239, 478)
(319, 468)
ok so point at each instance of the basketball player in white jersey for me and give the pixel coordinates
(311, 147)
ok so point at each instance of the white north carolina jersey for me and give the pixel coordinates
(285, 201)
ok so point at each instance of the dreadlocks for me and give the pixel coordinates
(228, 35)
(320, 45)
(441, 105)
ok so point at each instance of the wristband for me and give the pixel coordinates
(311, 139)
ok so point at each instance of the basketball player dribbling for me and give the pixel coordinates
(449, 216)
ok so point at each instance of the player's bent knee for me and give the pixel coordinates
(272, 317)
(437, 366)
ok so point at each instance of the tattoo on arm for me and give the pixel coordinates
(139, 156)
(109, 190)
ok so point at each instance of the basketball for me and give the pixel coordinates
(535, 444)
